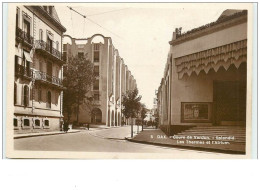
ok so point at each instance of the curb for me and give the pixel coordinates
(189, 147)
(37, 135)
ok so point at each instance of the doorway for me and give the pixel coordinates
(229, 99)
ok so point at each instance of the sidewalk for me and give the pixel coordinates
(157, 137)
(116, 132)
(18, 136)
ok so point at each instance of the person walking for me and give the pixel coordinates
(66, 127)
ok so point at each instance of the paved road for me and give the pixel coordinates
(105, 140)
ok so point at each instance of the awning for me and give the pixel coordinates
(27, 56)
(50, 36)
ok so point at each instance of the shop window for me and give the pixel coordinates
(15, 122)
(26, 122)
(37, 122)
(46, 122)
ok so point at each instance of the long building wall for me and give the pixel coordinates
(112, 79)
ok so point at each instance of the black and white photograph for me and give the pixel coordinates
(129, 80)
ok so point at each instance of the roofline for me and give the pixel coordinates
(229, 21)
(49, 17)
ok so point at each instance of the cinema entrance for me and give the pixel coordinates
(229, 105)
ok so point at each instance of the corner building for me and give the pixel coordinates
(114, 79)
(205, 77)
(38, 69)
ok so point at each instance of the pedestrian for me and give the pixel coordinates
(88, 126)
(66, 127)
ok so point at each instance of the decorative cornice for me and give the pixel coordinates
(234, 53)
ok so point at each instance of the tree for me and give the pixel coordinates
(78, 79)
(143, 112)
(131, 105)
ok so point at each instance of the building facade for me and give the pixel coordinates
(38, 69)
(205, 76)
(114, 79)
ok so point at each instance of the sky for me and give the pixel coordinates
(140, 32)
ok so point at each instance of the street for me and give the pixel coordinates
(99, 140)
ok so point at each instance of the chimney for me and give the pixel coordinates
(174, 35)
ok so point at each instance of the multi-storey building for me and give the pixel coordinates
(205, 77)
(38, 69)
(114, 79)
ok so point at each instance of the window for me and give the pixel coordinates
(40, 35)
(50, 10)
(15, 93)
(26, 122)
(80, 54)
(39, 94)
(15, 122)
(96, 56)
(17, 16)
(37, 122)
(96, 70)
(40, 66)
(96, 47)
(96, 96)
(57, 46)
(45, 8)
(48, 103)
(57, 71)
(96, 85)
(96, 52)
(27, 27)
(56, 97)
(64, 47)
(25, 95)
(64, 56)
(46, 122)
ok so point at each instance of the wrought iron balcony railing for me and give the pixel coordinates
(24, 36)
(40, 44)
(42, 76)
(23, 71)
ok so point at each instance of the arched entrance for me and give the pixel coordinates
(96, 116)
(108, 118)
(112, 118)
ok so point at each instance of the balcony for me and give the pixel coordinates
(47, 79)
(46, 48)
(23, 71)
(24, 37)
